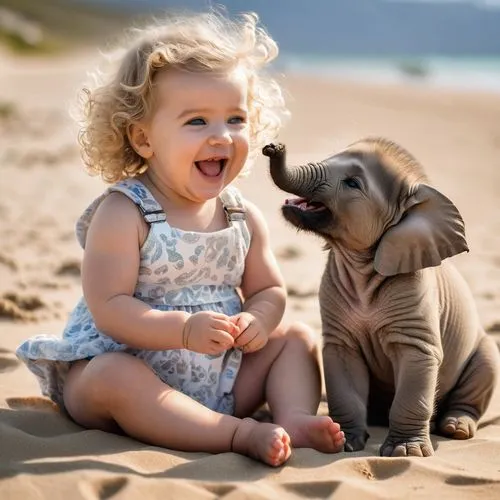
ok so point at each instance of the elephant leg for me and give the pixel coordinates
(413, 405)
(347, 384)
(470, 397)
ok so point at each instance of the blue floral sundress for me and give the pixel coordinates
(179, 270)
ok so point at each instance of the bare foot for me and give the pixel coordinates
(268, 443)
(312, 431)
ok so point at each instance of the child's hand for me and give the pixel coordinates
(209, 332)
(253, 335)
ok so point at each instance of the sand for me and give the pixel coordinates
(44, 189)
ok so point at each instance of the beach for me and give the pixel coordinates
(44, 189)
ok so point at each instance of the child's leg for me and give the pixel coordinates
(118, 391)
(286, 373)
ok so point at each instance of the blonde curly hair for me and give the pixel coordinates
(206, 42)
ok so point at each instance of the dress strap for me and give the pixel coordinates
(135, 190)
(235, 210)
(150, 209)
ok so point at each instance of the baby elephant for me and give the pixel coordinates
(402, 342)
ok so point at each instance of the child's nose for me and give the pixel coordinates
(220, 135)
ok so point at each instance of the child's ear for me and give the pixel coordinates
(138, 138)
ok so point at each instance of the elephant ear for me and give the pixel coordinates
(430, 231)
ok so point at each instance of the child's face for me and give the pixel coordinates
(198, 134)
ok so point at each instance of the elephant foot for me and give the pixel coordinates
(411, 447)
(458, 425)
(272, 150)
(355, 441)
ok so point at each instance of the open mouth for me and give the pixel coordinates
(307, 214)
(306, 205)
(212, 167)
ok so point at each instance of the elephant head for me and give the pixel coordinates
(373, 198)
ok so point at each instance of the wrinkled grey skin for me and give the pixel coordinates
(402, 342)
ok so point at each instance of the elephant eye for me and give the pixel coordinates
(352, 183)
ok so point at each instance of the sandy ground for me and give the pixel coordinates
(44, 189)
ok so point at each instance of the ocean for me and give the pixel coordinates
(462, 73)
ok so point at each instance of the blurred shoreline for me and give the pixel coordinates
(469, 74)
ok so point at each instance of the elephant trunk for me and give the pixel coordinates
(299, 180)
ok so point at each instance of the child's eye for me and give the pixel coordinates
(196, 121)
(237, 119)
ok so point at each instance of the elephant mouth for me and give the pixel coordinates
(306, 205)
(307, 214)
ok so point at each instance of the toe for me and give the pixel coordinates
(339, 437)
(275, 453)
(414, 450)
(458, 426)
(399, 451)
(281, 449)
(280, 455)
(427, 450)
(449, 425)
(277, 444)
(464, 429)
(339, 441)
(334, 427)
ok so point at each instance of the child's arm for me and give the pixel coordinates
(263, 287)
(109, 276)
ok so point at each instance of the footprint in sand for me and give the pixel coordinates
(469, 481)
(379, 468)
(318, 489)
(70, 267)
(19, 307)
(8, 360)
(104, 488)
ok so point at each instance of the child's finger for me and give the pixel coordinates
(243, 322)
(222, 324)
(235, 332)
(223, 338)
(246, 336)
(220, 316)
(248, 346)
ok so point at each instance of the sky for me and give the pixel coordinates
(485, 3)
